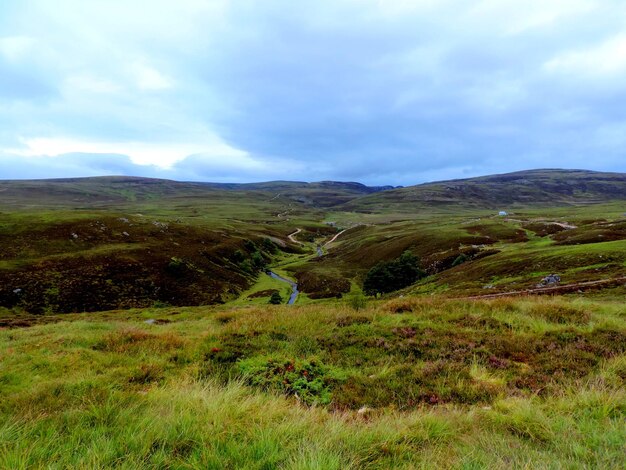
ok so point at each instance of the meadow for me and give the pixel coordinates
(405, 383)
(136, 330)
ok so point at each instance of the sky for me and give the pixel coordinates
(382, 92)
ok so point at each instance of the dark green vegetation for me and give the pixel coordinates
(133, 242)
(183, 362)
(404, 383)
(275, 298)
(408, 351)
(388, 276)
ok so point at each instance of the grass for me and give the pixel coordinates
(415, 380)
(263, 285)
(541, 386)
(76, 239)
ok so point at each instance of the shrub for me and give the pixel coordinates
(238, 256)
(269, 246)
(357, 301)
(393, 275)
(257, 260)
(179, 267)
(305, 379)
(276, 299)
(246, 266)
(462, 258)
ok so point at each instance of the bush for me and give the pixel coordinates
(257, 260)
(357, 301)
(269, 246)
(393, 275)
(238, 256)
(308, 380)
(246, 266)
(276, 299)
(462, 258)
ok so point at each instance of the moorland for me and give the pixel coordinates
(136, 329)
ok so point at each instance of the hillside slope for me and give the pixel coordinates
(519, 189)
(115, 190)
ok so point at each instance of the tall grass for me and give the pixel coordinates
(95, 393)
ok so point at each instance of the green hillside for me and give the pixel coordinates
(136, 329)
(136, 242)
(547, 188)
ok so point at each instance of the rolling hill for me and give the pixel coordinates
(519, 189)
(136, 330)
(134, 242)
(116, 190)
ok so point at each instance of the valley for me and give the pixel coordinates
(139, 327)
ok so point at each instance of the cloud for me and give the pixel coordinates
(375, 90)
(163, 155)
(607, 58)
(150, 79)
(70, 165)
(16, 48)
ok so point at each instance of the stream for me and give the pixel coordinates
(294, 286)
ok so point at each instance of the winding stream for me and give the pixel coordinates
(294, 286)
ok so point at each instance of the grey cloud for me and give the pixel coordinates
(69, 165)
(333, 90)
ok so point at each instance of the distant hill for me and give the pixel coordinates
(111, 190)
(93, 191)
(522, 188)
(318, 194)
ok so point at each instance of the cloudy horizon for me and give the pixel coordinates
(381, 92)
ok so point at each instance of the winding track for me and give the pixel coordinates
(291, 235)
(335, 237)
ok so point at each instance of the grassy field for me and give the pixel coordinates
(195, 244)
(135, 330)
(406, 383)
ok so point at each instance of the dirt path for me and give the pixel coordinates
(543, 221)
(291, 235)
(552, 290)
(335, 237)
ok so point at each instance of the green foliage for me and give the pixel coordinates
(246, 266)
(357, 301)
(258, 261)
(238, 256)
(510, 383)
(308, 380)
(393, 275)
(249, 245)
(462, 258)
(276, 299)
(269, 246)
